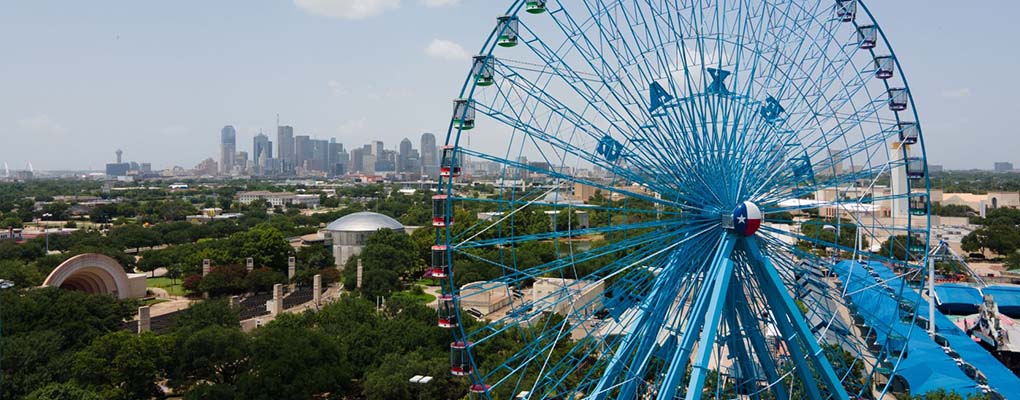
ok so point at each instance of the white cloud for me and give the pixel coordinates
(446, 50)
(439, 3)
(957, 93)
(347, 9)
(41, 125)
(336, 88)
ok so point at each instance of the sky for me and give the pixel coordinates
(80, 79)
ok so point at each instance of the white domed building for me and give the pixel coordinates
(350, 232)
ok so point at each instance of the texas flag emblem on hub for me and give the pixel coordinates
(746, 219)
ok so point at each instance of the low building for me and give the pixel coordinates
(212, 214)
(484, 297)
(10, 234)
(567, 296)
(348, 234)
(279, 199)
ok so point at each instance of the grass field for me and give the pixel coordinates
(423, 298)
(165, 284)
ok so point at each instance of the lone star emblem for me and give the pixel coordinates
(741, 219)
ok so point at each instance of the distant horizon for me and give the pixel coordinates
(159, 80)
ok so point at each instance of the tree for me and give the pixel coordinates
(391, 250)
(122, 365)
(22, 274)
(206, 314)
(214, 355)
(896, 247)
(63, 391)
(1013, 261)
(224, 280)
(265, 244)
(11, 222)
(390, 379)
(262, 279)
(133, 237)
(32, 360)
(74, 316)
(294, 363)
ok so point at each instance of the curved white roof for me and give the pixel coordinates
(363, 222)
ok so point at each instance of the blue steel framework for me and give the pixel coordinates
(677, 111)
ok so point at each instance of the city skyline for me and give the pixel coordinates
(136, 62)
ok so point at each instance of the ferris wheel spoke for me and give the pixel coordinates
(554, 235)
(516, 120)
(792, 325)
(573, 179)
(647, 247)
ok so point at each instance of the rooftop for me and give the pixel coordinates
(364, 222)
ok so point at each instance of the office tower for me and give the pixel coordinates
(368, 159)
(241, 161)
(338, 158)
(377, 148)
(228, 146)
(357, 160)
(302, 150)
(1003, 166)
(120, 156)
(429, 155)
(319, 159)
(386, 161)
(404, 157)
(262, 151)
(285, 146)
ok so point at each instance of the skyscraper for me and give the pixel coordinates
(228, 145)
(320, 155)
(302, 150)
(429, 156)
(404, 157)
(262, 151)
(285, 146)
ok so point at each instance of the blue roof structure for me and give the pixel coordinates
(925, 366)
(957, 299)
(1007, 298)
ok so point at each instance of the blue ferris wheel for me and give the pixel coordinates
(682, 198)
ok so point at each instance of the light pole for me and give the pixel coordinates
(420, 380)
(4, 285)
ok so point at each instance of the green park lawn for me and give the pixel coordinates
(423, 298)
(166, 284)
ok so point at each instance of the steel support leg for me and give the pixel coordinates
(783, 307)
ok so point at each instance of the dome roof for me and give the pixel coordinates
(363, 222)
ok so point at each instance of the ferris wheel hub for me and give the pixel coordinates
(746, 219)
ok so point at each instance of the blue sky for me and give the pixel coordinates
(159, 79)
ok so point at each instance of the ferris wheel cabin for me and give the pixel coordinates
(846, 10)
(535, 6)
(915, 168)
(507, 27)
(463, 114)
(884, 66)
(867, 36)
(919, 204)
(898, 98)
(439, 217)
(479, 388)
(483, 71)
(447, 166)
(447, 312)
(440, 265)
(460, 361)
(908, 132)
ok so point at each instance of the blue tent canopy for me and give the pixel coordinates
(956, 299)
(1007, 298)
